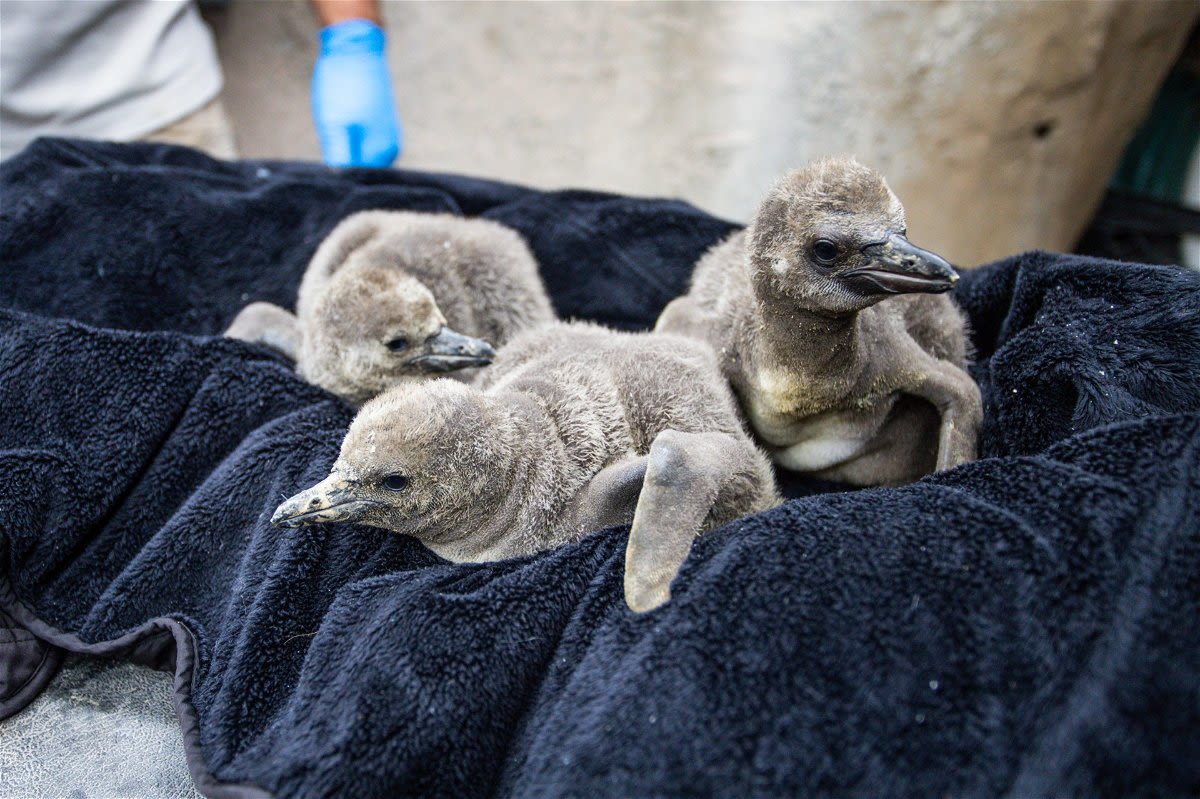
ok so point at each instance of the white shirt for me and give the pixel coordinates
(101, 69)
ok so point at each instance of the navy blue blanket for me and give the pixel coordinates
(1025, 625)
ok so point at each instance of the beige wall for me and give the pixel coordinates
(997, 123)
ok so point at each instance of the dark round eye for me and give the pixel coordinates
(395, 482)
(397, 344)
(825, 251)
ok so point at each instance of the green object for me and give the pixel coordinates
(1155, 162)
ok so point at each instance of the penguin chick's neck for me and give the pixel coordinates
(524, 521)
(806, 342)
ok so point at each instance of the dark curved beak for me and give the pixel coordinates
(448, 350)
(330, 501)
(900, 267)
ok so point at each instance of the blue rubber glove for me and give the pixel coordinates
(352, 101)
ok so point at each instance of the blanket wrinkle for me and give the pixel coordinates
(1022, 625)
(1133, 603)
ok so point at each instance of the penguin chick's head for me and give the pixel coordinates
(427, 459)
(832, 237)
(374, 327)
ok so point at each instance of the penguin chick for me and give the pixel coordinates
(573, 429)
(834, 330)
(395, 296)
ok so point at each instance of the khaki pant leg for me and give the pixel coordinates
(208, 129)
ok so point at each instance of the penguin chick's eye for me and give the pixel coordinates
(395, 482)
(825, 251)
(398, 344)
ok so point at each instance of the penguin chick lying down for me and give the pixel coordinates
(835, 332)
(393, 296)
(575, 428)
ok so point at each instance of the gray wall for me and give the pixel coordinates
(997, 123)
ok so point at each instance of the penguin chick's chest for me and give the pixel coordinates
(806, 429)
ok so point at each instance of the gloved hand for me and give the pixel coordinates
(352, 101)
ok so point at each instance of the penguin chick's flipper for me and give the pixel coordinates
(267, 324)
(693, 482)
(956, 397)
(686, 317)
(610, 497)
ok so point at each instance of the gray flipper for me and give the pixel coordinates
(264, 323)
(956, 397)
(685, 317)
(610, 497)
(694, 481)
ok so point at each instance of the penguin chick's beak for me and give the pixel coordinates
(900, 267)
(331, 500)
(448, 350)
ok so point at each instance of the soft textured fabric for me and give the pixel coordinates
(27, 664)
(1024, 625)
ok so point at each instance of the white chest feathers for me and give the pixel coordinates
(806, 428)
(829, 445)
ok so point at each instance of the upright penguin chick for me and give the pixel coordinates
(394, 296)
(575, 428)
(835, 332)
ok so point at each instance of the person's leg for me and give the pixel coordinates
(208, 128)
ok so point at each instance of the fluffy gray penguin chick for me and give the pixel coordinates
(834, 331)
(573, 429)
(396, 296)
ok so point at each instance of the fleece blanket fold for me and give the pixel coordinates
(1023, 626)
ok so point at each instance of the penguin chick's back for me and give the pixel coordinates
(481, 273)
(628, 386)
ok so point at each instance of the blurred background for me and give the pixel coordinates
(999, 124)
(1002, 126)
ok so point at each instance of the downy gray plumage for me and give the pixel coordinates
(847, 358)
(573, 429)
(399, 296)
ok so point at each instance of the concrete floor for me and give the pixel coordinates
(101, 729)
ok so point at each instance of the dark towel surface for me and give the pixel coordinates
(1025, 625)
